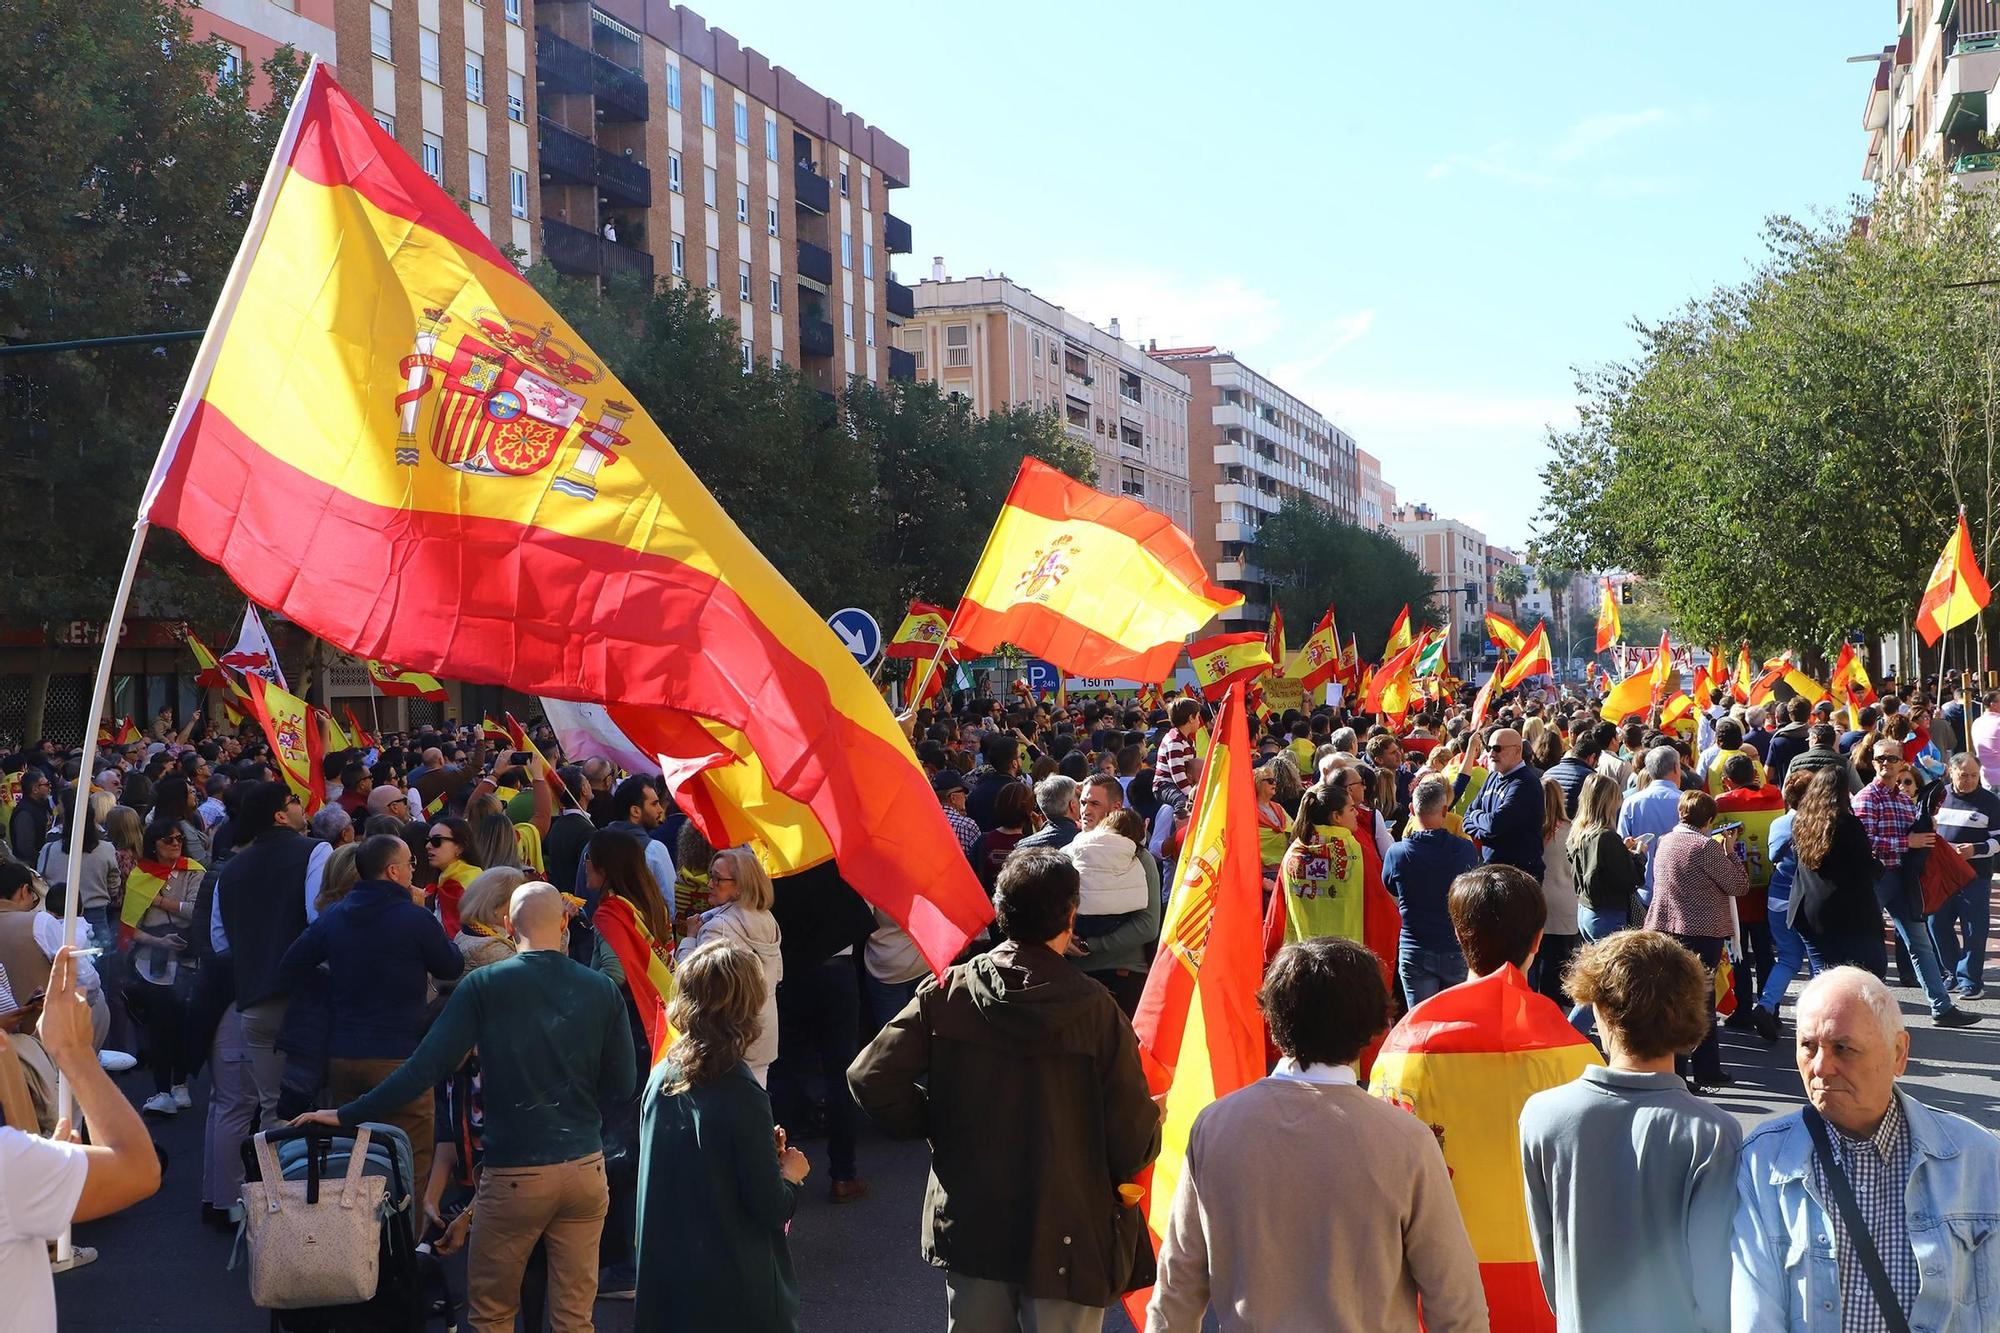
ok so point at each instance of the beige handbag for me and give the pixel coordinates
(323, 1252)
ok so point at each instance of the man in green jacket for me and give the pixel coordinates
(1025, 1077)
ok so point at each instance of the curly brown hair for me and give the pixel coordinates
(1819, 815)
(1647, 989)
(717, 1010)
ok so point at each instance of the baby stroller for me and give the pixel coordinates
(316, 1153)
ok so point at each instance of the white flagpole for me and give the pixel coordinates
(197, 385)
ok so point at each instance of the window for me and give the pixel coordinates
(514, 12)
(847, 249)
(379, 31)
(865, 182)
(1035, 341)
(867, 260)
(674, 84)
(770, 136)
(774, 294)
(847, 319)
(517, 191)
(434, 158)
(843, 182)
(387, 122)
(475, 77)
(232, 64)
(475, 177)
(708, 186)
(742, 202)
(708, 105)
(680, 256)
(742, 123)
(714, 268)
(674, 171)
(958, 344)
(748, 356)
(742, 282)
(517, 98)
(771, 217)
(868, 326)
(427, 55)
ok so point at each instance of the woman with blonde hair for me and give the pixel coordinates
(1559, 935)
(341, 874)
(718, 1182)
(740, 895)
(1606, 869)
(483, 929)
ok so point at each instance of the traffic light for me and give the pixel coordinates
(1625, 593)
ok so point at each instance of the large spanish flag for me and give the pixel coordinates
(393, 439)
(1098, 585)
(1957, 591)
(1394, 683)
(1200, 1034)
(1228, 659)
(1630, 697)
(1464, 1062)
(922, 632)
(649, 973)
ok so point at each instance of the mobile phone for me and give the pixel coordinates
(1732, 827)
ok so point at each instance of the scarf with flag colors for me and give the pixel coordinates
(1534, 659)
(1228, 659)
(1464, 1062)
(1610, 626)
(400, 684)
(143, 885)
(297, 743)
(1318, 659)
(1401, 635)
(1506, 635)
(921, 633)
(1956, 591)
(1200, 1033)
(647, 964)
(407, 453)
(1095, 584)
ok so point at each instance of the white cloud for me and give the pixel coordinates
(1593, 132)
(1555, 163)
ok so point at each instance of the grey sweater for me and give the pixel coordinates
(1631, 1186)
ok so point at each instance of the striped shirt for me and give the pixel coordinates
(1878, 1171)
(1170, 767)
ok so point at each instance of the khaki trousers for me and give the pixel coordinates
(348, 1079)
(515, 1206)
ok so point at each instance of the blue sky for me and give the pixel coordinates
(1418, 225)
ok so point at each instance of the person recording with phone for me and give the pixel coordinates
(1696, 872)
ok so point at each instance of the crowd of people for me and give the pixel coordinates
(468, 945)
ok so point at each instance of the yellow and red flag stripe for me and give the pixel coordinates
(1741, 681)
(1957, 591)
(1228, 659)
(1506, 635)
(921, 633)
(1464, 1062)
(1630, 697)
(393, 439)
(1274, 638)
(1390, 689)
(297, 744)
(1610, 626)
(1534, 659)
(1400, 634)
(1200, 1034)
(644, 960)
(361, 737)
(1318, 659)
(400, 684)
(1098, 585)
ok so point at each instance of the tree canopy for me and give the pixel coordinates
(1315, 559)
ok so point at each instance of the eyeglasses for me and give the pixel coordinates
(170, 837)
(439, 840)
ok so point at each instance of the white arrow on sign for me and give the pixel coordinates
(854, 641)
(858, 632)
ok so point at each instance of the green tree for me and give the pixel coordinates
(1510, 584)
(1315, 559)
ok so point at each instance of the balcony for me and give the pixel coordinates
(571, 249)
(895, 234)
(561, 66)
(1229, 415)
(899, 300)
(1960, 109)
(815, 336)
(1238, 571)
(811, 189)
(624, 182)
(1973, 164)
(816, 262)
(621, 259)
(567, 157)
(902, 364)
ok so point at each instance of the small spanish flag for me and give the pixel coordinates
(1097, 585)
(1957, 591)
(1318, 659)
(1274, 638)
(1534, 659)
(297, 743)
(1393, 685)
(1400, 634)
(1740, 683)
(400, 684)
(922, 632)
(1506, 635)
(1227, 659)
(1610, 626)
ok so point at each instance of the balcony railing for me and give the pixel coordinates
(567, 155)
(619, 259)
(811, 189)
(895, 234)
(899, 300)
(815, 262)
(1970, 162)
(562, 66)
(902, 364)
(621, 93)
(815, 336)
(571, 249)
(625, 181)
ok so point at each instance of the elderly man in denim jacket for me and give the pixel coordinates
(1926, 1183)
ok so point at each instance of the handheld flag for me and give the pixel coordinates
(1506, 635)
(1274, 637)
(1850, 684)
(1957, 591)
(1200, 1034)
(253, 653)
(400, 684)
(361, 737)
(1400, 636)
(1630, 697)
(920, 634)
(296, 741)
(643, 959)
(1664, 676)
(1319, 656)
(1226, 659)
(1534, 659)
(409, 454)
(1482, 701)
(1391, 687)
(1610, 628)
(1741, 681)
(1097, 585)
(1432, 658)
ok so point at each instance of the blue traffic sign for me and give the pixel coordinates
(858, 633)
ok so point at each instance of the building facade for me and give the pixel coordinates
(453, 80)
(1498, 558)
(1000, 345)
(1375, 499)
(1934, 92)
(1251, 444)
(1453, 553)
(671, 151)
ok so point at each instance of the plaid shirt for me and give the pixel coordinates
(1171, 765)
(1878, 1170)
(1888, 815)
(962, 825)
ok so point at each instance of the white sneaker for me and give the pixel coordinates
(181, 1097)
(116, 1062)
(161, 1103)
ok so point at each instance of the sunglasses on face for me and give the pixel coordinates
(169, 837)
(439, 840)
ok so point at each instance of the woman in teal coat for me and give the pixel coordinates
(717, 1181)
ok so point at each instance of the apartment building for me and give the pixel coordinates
(670, 151)
(1498, 558)
(1375, 499)
(1000, 345)
(451, 79)
(1453, 553)
(1252, 444)
(1934, 92)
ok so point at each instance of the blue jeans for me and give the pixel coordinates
(1865, 951)
(1425, 972)
(1970, 909)
(1790, 947)
(1594, 926)
(1894, 890)
(886, 998)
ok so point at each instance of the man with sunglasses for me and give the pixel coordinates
(1891, 820)
(1506, 816)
